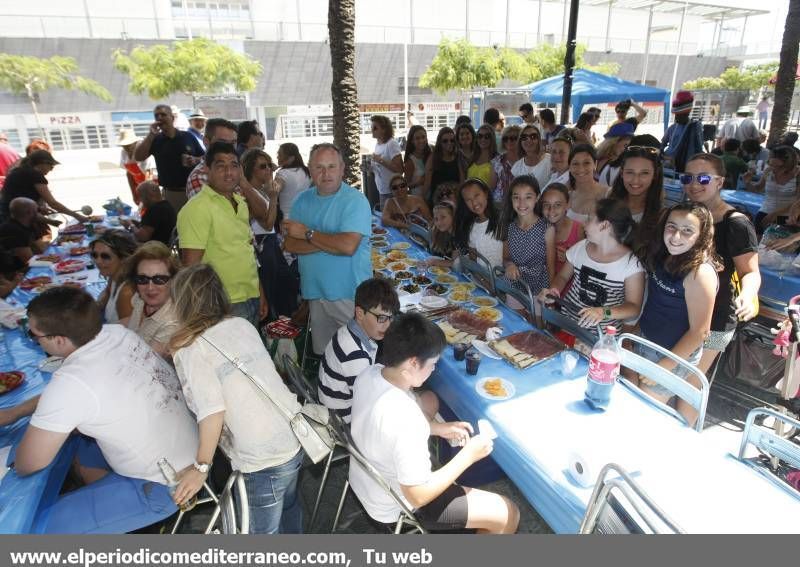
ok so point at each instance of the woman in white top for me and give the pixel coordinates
(533, 161)
(387, 158)
(149, 271)
(109, 251)
(477, 222)
(586, 190)
(230, 410)
(292, 178)
(279, 285)
(418, 150)
(780, 183)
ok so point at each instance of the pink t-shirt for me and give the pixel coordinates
(563, 245)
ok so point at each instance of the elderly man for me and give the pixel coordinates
(214, 227)
(18, 233)
(172, 149)
(159, 217)
(197, 124)
(329, 231)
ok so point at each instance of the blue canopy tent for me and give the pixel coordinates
(589, 87)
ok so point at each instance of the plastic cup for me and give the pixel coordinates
(460, 350)
(569, 360)
(473, 361)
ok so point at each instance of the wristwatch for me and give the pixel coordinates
(309, 234)
(201, 467)
(607, 313)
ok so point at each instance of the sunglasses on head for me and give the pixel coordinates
(526, 137)
(101, 255)
(157, 279)
(401, 185)
(702, 178)
(643, 150)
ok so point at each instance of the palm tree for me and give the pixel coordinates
(784, 86)
(346, 128)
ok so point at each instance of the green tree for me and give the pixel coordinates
(31, 76)
(193, 66)
(750, 78)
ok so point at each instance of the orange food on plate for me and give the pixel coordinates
(32, 283)
(10, 380)
(494, 387)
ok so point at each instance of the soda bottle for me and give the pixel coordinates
(172, 482)
(603, 370)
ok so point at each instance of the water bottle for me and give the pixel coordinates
(603, 370)
(172, 482)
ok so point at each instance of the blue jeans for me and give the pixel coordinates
(247, 310)
(273, 500)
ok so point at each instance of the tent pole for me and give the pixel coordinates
(569, 61)
(678, 53)
(608, 27)
(647, 46)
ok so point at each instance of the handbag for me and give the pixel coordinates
(309, 425)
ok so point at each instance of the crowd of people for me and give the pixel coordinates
(173, 341)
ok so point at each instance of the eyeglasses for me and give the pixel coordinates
(510, 138)
(483, 136)
(526, 137)
(34, 337)
(702, 178)
(381, 318)
(401, 185)
(157, 279)
(101, 255)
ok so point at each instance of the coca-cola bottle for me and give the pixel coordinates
(603, 370)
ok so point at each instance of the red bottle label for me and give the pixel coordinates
(603, 366)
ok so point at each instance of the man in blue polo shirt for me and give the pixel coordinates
(329, 231)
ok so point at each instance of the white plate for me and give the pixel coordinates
(401, 246)
(485, 349)
(433, 302)
(509, 387)
(490, 301)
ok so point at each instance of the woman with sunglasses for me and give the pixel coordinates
(780, 184)
(442, 165)
(586, 190)
(417, 153)
(503, 162)
(149, 271)
(467, 145)
(400, 206)
(387, 158)
(735, 243)
(109, 253)
(481, 167)
(533, 160)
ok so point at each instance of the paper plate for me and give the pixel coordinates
(507, 386)
(433, 302)
(484, 301)
(485, 349)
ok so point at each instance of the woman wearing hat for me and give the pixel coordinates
(28, 179)
(137, 171)
(610, 150)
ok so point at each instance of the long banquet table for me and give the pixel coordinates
(693, 476)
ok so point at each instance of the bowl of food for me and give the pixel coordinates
(438, 270)
(401, 245)
(422, 280)
(484, 301)
(488, 313)
(402, 275)
(79, 250)
(447, 279)
(11, 380)
(397, 266)
(438, 289)
(494, 388)
(460, 296)
(397, 255)
(464, 286)
(379, 230)
(410, 288)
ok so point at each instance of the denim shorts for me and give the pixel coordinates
(654, 356)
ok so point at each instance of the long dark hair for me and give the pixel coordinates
(618, 216)
(438, 149)
(701, 252)
(474, 145)
(509, 215)
(655, 193)
(442, 242)
(580, 149)
(410, 148)
(291, 150)
(465, 218)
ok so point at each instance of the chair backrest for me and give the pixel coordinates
(619, 505)
(696, 398)
(519, 290)
(478, 270)
(234, 506)
(770, 443)
(566, 324)
(298, 382)
(418, 227)
(174, 245)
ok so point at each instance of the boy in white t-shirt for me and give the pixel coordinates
(391, 430)
(126, 401)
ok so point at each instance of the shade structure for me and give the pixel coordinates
(589, 87)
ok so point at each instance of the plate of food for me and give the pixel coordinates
(447, 279)
(438, 270)
(422, 280)
(397, 255)
(10, 380)
(493, 388)
(379, 244)
(379, 230)
(378, 262)
(45, 260)
(459, 296)
(461, 326)
(438, 289)
(397, 266)
(31, 284)
(79, 250)
(484, 301)
(526, 348)
(464, 286)
(69, 266)
(433, 302)
(97, 218)
(410, 288)
(76, 228)
(488, 313)
(401, 245)
(67, 238)
(402, 275)
(484, 348)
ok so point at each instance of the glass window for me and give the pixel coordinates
(77, 139)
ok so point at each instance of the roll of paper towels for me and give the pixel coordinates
(581, 471)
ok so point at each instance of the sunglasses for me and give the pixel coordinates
(484, 136)
(397, 186)
(702, 178)
(157, 279)
(526, 137)
(510, 138)
(101, 255)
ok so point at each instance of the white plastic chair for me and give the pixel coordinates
(767, 441)
(634, 512)
(696, 398)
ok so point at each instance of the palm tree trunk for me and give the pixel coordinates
(344, 95)
(784, 87)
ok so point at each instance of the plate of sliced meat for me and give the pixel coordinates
(527, 348)
(462, 326)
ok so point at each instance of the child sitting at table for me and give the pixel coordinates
(554, 203)
(477, 222)
(392, 432)
(608, 282)
(442, 235)
(681, 286)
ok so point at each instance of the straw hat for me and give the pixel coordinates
(197, 113)
(127, 137)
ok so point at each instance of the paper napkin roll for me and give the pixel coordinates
(581, 470)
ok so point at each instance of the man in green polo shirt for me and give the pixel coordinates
(214, 227)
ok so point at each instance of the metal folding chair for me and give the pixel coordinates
(697, 398)
(478, 270)
(519, 289)
(298, 381)
(770, 443)
(566, 324)
(174, 245)
(338, 455)
(635, 512)
(419, 231)
(230, 507)
(406, 518)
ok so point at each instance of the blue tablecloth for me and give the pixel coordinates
(692, 476)
(777, 288)
(751, 202)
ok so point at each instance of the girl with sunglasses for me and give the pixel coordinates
(503, 163)
(400, 206)
(417, 153)
(586, 191)
(481, 167)
(681, 285)
(442, 165)
(533, 159)
(477, 222)
(736, 244)
(109, 253)
(149, 271)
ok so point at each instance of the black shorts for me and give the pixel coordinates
(448, 511)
